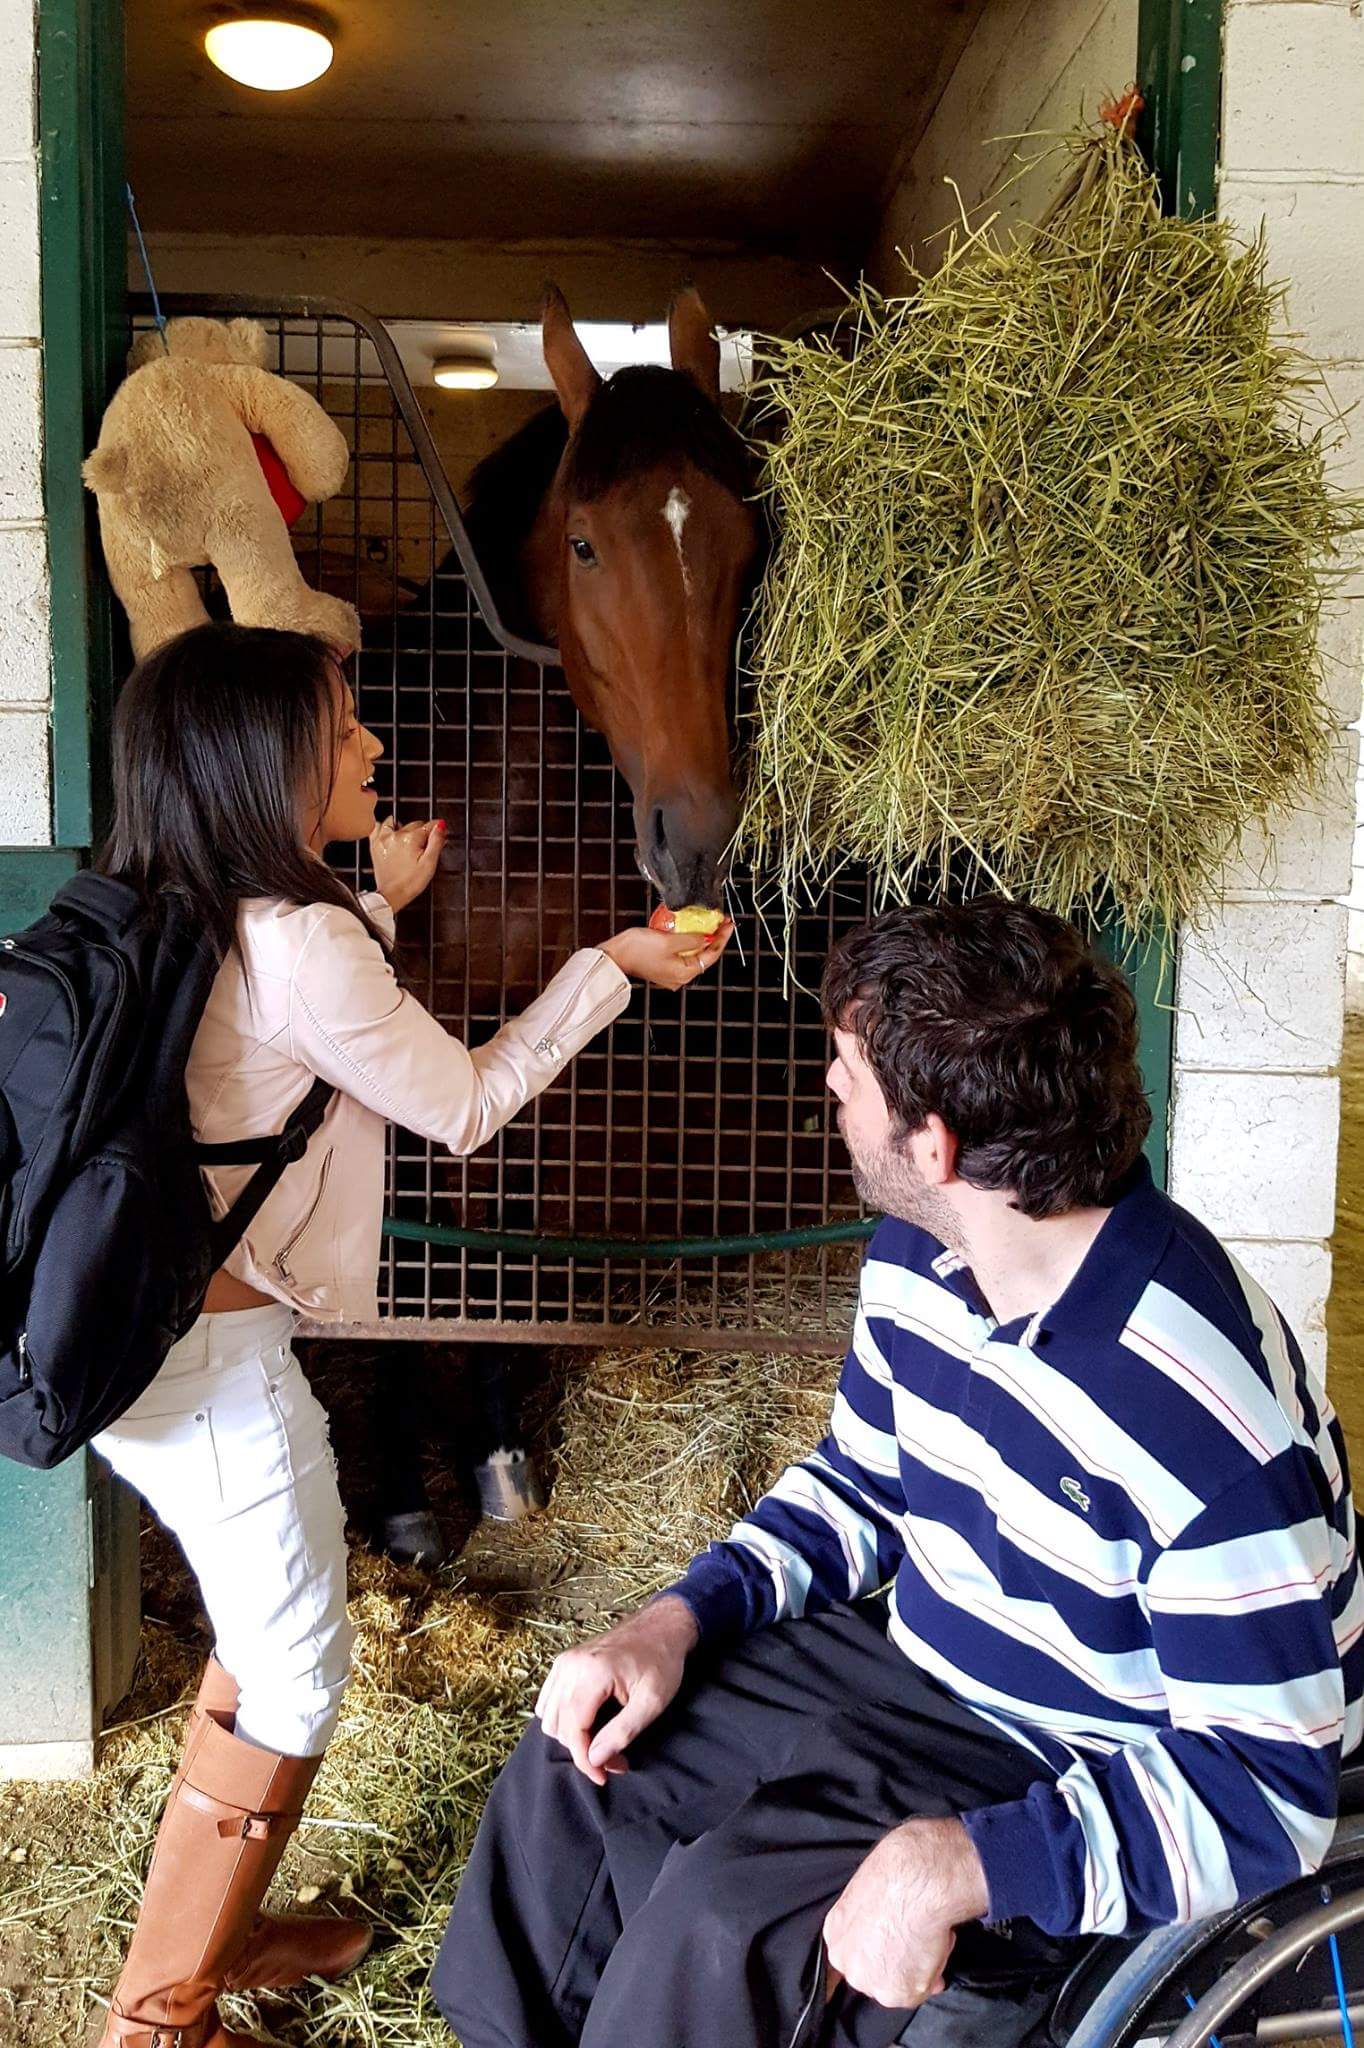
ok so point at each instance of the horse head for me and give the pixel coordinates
(636, 566)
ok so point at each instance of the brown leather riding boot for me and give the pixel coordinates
(281, 1950)
(230, 1813)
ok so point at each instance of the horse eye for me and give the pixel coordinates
(583, 549)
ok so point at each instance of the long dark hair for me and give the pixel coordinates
(220, 738)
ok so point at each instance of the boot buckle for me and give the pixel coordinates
(247, 1827)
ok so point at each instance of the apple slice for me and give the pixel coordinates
(692, 917)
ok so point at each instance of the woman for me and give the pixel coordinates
(238, 759)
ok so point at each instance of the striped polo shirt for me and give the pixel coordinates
(1121, 1530)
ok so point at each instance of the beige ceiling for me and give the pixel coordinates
(771, 125)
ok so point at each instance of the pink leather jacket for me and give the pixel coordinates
(312, 994)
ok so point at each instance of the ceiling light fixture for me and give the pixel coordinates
(272, 53)
(465, 372)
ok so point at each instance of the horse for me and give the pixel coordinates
(616, 526)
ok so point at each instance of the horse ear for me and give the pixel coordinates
(566, 359)
(692, 341)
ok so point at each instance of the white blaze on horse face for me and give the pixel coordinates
(677, 511)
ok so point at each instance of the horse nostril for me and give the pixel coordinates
(659, 825)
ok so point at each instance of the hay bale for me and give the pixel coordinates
(1042, 611)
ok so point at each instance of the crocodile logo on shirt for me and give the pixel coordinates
(1075, 1494)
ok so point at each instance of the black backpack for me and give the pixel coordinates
(109, 1242)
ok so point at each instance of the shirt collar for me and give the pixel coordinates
(952, 1269)
(1111, 1279)
(1117, 1269)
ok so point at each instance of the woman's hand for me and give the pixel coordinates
(667, 959)
(405, 858)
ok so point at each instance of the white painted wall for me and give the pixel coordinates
(25, 651)
(1260, 986)
(1031, 68)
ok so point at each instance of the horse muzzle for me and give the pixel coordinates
(684, 844)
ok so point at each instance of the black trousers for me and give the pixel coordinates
(681, 1905)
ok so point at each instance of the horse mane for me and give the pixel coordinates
(502, 497)
(644, 417)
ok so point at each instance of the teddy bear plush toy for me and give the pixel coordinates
(202, 455)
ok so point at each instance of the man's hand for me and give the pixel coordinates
(639, 1663)
(890, 1931)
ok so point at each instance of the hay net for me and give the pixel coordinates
(1052, 526)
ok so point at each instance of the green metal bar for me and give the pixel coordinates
(80, 128)
(528, 1244)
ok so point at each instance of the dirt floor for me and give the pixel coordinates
(649, 1456)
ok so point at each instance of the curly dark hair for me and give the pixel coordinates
(1003, 1021)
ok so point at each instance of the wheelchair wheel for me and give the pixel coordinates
(1287, 1967)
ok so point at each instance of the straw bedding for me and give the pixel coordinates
(651, 1454)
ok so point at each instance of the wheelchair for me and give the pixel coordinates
(1287, 1967)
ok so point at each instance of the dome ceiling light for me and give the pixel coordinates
(270, 52)
(465, 371)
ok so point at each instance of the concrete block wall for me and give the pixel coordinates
(1304, 180)
(1260, 992)
(25, 651)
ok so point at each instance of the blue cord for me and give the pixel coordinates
(157, 314)
(1213, 2041)
(1347, 2031)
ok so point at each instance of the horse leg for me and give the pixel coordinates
(405, 1526)
(508, 1483)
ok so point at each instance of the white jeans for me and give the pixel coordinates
(229, 1446)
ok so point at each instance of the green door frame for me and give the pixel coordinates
(1179, 71)
(84, 268)
(85, 328)
(68, 1539)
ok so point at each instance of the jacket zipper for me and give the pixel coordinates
(561, 1018)
(283, 1255)
(25, 1370)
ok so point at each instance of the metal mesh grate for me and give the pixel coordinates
(700, 1117)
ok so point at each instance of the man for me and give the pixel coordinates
(1119, 1662)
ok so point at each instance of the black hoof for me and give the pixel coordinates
(508, 1486)
(413, 1538)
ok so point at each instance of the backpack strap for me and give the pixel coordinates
(270, 1155)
